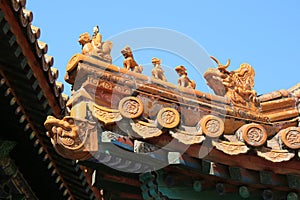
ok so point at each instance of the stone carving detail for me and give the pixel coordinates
(291, 137)
(72, 137)
(94, 46)
(108, 136)
(183, 79)
(157, 71)
(131, 107)
(212, 126)
(105, 115)
(188, 137)
(145, 130)
(254, 134)
(237, 85)
(168, 117)
(275, 155)
(231, 148)
(129, 62)
(237, 105)
(109, 86)
(142, 147)
(103, 84)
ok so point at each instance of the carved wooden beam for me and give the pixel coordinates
(252, 162)
(269, 178)
(13, 183)
(244, 175)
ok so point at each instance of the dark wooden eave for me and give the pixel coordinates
(28, 93)
(221, 178)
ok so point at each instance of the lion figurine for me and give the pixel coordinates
(129, 62)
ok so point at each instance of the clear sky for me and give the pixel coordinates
(263, 33)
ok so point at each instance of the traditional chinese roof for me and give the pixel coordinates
(234, 141)
(29, 91)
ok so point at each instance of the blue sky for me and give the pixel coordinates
(265, 34)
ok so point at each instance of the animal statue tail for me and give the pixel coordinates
(193, 84)
(107, 46)
(138, 69)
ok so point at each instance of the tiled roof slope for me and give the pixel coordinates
(295, 90)
(30, 93)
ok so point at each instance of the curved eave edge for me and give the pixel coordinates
(19, 21)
